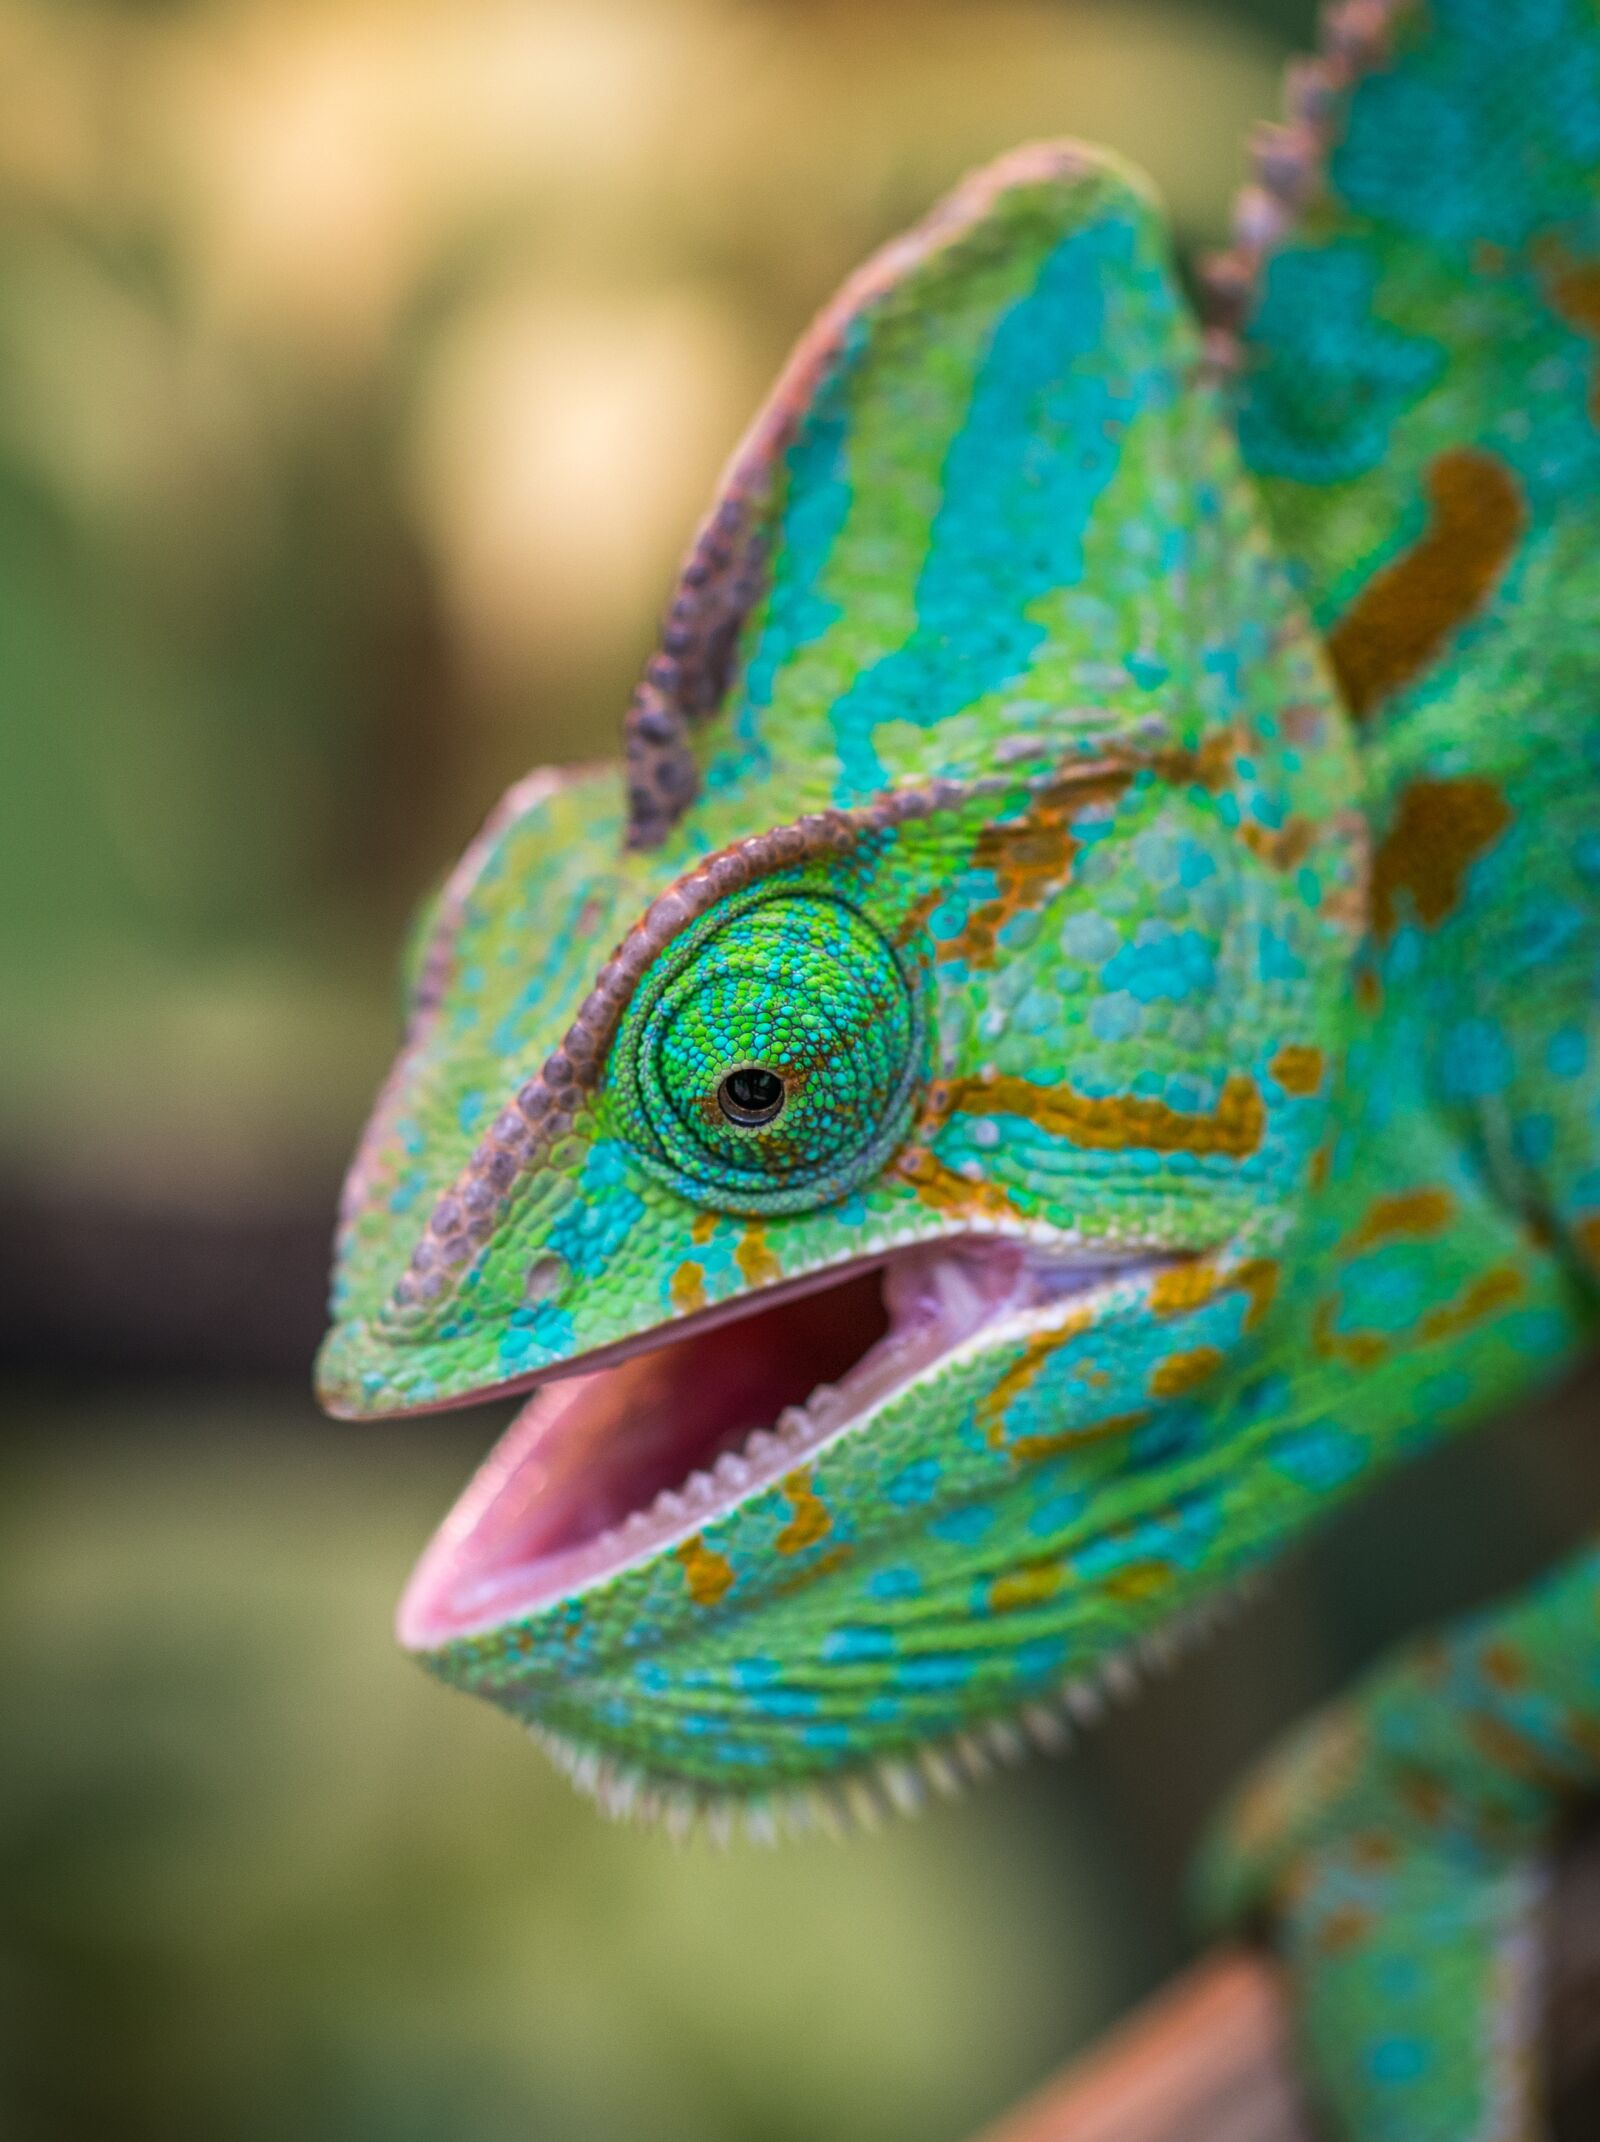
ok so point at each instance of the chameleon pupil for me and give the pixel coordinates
(750, 1096)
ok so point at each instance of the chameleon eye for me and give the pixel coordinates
(767, 1060)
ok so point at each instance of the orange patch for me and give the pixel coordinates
(1182, 1287)
(945, 1190)
(1424, 1795)
(809, 1520)
(1182, 1372)
(1030, 1585)
(1488, 1294)
(1029, 1448)
(938, 1102)
(1138, 1581)
(1507, 1749)
(688, 1288)
(1439, 831)
(1112, 1123)
(1586, 1233)
(1282, 847)
(709, 1575)
(1031, 859)
(1209, 767)
(1344, 1929)
(1259, 1279)
(701, 1228)
(1409, 609)
(1298, 1068)
(1405, 1216)
(1503, 1665)
(757, 1265)
(1373, 1849)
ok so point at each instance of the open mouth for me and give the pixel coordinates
(604, 1468)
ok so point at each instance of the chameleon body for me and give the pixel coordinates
(1094, 951)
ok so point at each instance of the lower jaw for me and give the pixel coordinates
(694, 1753)
(602, 1474)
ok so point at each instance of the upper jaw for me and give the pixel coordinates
(640, 1444)
(365, 1371)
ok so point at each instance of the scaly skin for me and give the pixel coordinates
(1131, 789)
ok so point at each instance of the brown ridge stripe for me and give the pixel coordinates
(1410, 608)
(1402, 1216)
(1440, 829)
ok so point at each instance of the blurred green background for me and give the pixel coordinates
(363, 367)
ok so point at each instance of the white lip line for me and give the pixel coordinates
(767, 1454)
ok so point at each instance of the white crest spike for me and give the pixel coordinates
(974, 1759)
(903, 1786)
(1008, 1743)
(1121, 1676)
(1084, 1701)
(1046, 1728)
(760, 1822)
(863, 1803)
(679, 1815)
(941, 1773)
(823, 1810)
(649, 1806)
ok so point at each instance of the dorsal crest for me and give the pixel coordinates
(990, 514)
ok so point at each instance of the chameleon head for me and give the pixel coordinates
(869, 1123)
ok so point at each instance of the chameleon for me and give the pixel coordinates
(1068, 1044)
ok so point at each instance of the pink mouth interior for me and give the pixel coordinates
(599, 1470)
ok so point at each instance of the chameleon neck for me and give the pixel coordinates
(1456, 1213)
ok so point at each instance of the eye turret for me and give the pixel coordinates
(767, 1061)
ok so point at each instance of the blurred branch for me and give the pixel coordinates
(1210, 2055)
